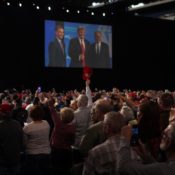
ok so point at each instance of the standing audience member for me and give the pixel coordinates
(37, 146)
(62, 138)
(94, 134)
(150, 167)
(149, 126)
(11, 141)
(82, 121)
(103, 158)
(35, 102)
(19, 113)
(172, 115)
(82, 118)
(127, 113)
(166, 102)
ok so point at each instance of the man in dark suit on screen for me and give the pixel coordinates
(57, 56)
(79, 49)
(99, 53)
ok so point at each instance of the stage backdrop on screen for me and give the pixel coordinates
(67, 53)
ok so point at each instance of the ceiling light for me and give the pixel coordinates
(20, 4)
(49, 8)
(96, 4)
(138, 5)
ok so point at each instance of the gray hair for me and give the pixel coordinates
(115, 121)
(82, 100)
(127, 113)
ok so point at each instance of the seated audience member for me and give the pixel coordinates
(63, 136)
(11, 140)
(37, 145)
(94, 134)
(128, 167)
(103, 158)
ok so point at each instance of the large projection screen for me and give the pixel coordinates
(67, 52)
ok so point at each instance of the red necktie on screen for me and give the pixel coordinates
(82, 53)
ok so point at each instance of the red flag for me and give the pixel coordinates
(87, 73)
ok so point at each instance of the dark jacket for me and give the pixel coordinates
(57, 57)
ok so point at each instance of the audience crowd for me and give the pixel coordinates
(89, 132)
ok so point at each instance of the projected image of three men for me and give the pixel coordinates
(76, 45)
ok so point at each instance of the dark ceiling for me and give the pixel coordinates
(81, 3)
(86, 3)
(164, 9)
